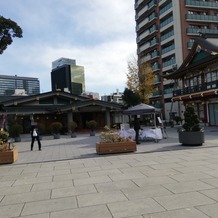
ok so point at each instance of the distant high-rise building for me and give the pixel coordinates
(67, 75)
(63, 61)
(165, 32)
(9, 84)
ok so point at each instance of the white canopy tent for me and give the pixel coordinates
(141, 109)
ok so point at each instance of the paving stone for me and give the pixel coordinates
(49, 206)
(54, 172)
(182, 187)
(115, 166)
(192, 169)
(104, 172)
(166, 166)
(113, 186)
(20, 176)
(92, 180)
(73, 191)
(44, 215)
(25, 197)
(52, 185)
(86, 169)
(182, 213)
(190, 176)
(10, 210)
(126, 176)
(211, 181)
(153, 181)
(194, 163)
(100, 198)
(71, 176)
(213, 173)
(100, 211)
(146, 192)
(210, 210)
(15, 189)
(6, 183)
(213, 193)
(134, 207)
(178, 201)
(161, 172)
(24, 181)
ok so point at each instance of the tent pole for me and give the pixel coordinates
(155, 120)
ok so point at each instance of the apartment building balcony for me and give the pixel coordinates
(168, 49)
(157, 93)
(196, 31)
(195, 89)
(154, 54)
(155, 67)
(190, 44)
(150, 44)
(146, 22)
(167, 35)
(138, 3)
(166, 22)
(152, 4)
(202, 18)
(157, 79)
(158, 105)
(141, 12)
(201, 4)
(146, 33)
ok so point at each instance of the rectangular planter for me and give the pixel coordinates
(7, 157)
(191, 138)
(117, 147)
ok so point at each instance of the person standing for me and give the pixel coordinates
(136, 128)
(35, 136)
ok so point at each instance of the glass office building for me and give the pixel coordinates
(10, 83)
(68, 76)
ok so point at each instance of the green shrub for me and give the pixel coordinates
(56, 127)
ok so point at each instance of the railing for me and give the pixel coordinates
(204, 4)
(168, 49)
(167, 21)
(205, 18)
(166, 8)
(201, 30)
(169, 62)
(195, 89)
(167, 35)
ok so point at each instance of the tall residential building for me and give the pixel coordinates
(165, 33)
(66, 75)
(9, 84)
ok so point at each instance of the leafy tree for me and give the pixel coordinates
(130, 98)
(140, 79)
(8, 29)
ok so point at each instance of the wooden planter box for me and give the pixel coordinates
(8, 156)
(117, 147)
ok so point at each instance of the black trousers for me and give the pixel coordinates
(137, 136)
(33, 140)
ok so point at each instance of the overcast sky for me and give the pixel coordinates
(98, 34)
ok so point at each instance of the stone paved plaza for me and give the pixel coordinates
(68, 179)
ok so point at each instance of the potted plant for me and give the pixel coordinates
(110, 143)
(8, 152)
(92, 124)
(15, 130)
(73, 126)
(191, 133)
(55, 129)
